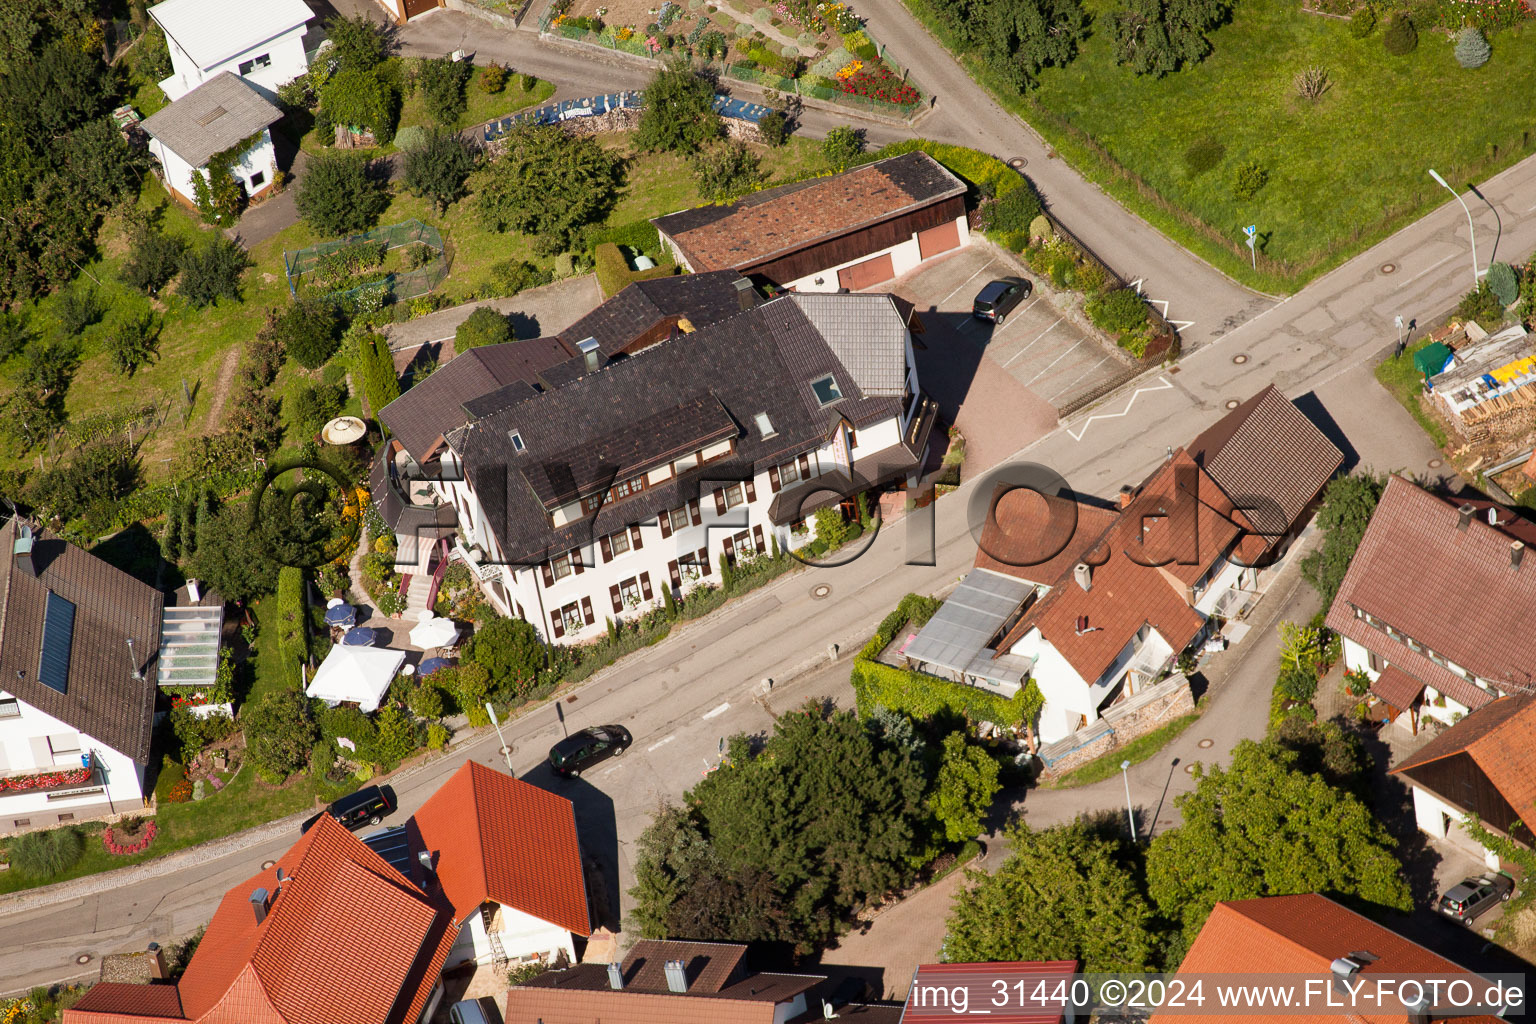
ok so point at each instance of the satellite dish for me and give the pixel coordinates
(826, 1011)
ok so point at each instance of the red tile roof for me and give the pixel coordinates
(114, 1002)
(1452, 590)
(1397, 688)
(1304, 934)
(498, 838)
(979, 980)
(1026, 526)
(342, 912)
(1500, 737)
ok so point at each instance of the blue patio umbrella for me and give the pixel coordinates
(359, 636)
(340, 615)
(431, 665)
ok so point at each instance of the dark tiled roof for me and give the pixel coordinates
(701, 299)
(102, 699)
(1269, 458)
(777, 221)
(1500, 737)
(211, 118)
(419, 418)
(760, 361)
(1452, 590)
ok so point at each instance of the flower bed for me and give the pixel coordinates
(47, 780)
(875, 81)
(109, 837)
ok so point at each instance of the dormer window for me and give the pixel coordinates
(826, 390)
(517, 441)
(764, 425)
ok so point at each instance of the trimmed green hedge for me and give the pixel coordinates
(614, 275)
(923, 696)
(639, 235)
(914, 608)
(291, 643)
(981, 170)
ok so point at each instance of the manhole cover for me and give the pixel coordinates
(820, 592)
(1205, 744)
(1233, 403)
(1435, 463)
(267, 865)
(1240, 358)
(83, 958)
(1017, 162)
(1389, 268)
(571, 699)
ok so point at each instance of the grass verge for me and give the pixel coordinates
(1406, 384)
(1136, 751)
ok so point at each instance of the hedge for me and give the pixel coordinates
(614, 275)
(984, 172)
(639, 235)
(923, 696)
(292, 645)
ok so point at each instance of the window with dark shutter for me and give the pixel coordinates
(586, 610)
(634, 535)
(704, 560)
(645, 585)
(549, 576)
(757, 538)
(618, 602)
(773, 478)
(730, 549)
(675, 573)
(555, 625)
(805, 465)
(751, 491)
(693, 510)
(607, 550)
(576, 560)
(665, 519)
(719, 501)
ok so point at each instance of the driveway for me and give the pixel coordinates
(536, 313)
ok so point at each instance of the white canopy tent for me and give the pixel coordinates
(360, 674)
(434, 632)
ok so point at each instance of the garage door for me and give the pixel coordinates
(866, 274)
(940, 239)
(415, 7)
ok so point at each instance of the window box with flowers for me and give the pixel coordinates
(54, 779)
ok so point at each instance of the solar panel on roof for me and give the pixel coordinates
(394, 846)
(58, 636)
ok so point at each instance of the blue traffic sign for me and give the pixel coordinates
(1251, 230)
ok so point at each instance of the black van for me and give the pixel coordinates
(581, 750)
(367, 806)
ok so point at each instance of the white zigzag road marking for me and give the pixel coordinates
(1163, 385)
(1178, 325)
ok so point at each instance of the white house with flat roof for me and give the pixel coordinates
(262, 41)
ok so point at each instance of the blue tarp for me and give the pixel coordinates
(739, 110)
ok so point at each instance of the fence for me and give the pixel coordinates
(635, 45)
(401, 284)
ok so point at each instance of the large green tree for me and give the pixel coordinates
(279, 731)
(679, 112)
(358, 43)
(1064, 893)
(1020, 38)
(436, 169)
(964, 789)
(510, 651)
(1265, 826)
(1348, 503)
(340, 194)
(547, 184)
(1157, 37)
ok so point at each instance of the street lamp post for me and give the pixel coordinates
(506, 751)
(1130, 815)
(1471, 231)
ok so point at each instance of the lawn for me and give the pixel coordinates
(1343, 173)
(1136, 751)
(1406, 384)
(481, 106)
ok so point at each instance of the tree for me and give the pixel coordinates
(1348, 503)
(358, 43)
(774, 128)
(1020, 38)
(309, 332)
(1504, 283)
(965, 787)
(212, 271)
(484, 326)
(842, 147)
(442, 83)
(1263, 826)
(547, 183)
(397, 736)
(340, 195)
(679, 113)
(232, 558)
(153, 257)
(725, 170)
(313, 406)
(362, 100)
(1157, 37)
(1064, 893)
(437, 168)
(100, 473)
(375, 366)
(510, 651)
(279, 730)
(133, 341)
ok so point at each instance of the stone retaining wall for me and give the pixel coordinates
(1133, 717)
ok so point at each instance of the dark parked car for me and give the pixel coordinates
(365, 807)
(1471, 898)
(995, 301)
(581, 750)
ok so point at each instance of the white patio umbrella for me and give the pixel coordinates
(360, 674)
(435, 632)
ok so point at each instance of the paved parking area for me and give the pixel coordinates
(1002, 386)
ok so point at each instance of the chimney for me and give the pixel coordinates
(615, 977)
(424, 858)
(156, 962)
(1343, 969)
(746, 295)
(260, 904)
(677, 981)
(1464, 515)
(1516, 552)
(22, 550)
(590, 355)
(1082, 572)
(1127, 492)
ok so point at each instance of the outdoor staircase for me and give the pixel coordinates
(417, 586)
(189, 645)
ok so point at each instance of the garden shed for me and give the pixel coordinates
(223, 123)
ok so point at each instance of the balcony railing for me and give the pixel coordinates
(34, 780)
(1148, 663)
